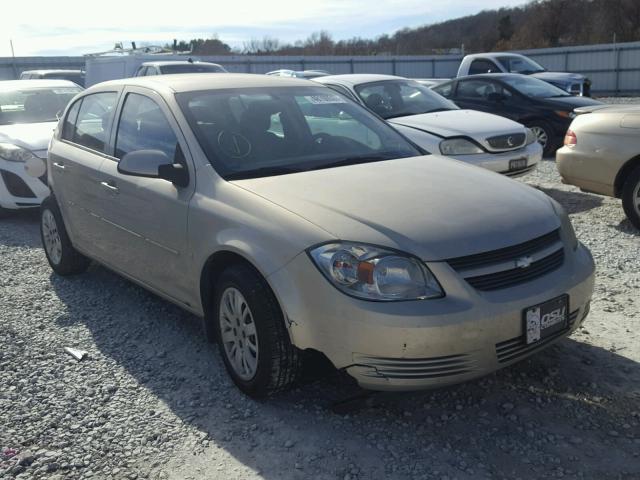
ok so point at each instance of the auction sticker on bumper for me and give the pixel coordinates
(545, 319)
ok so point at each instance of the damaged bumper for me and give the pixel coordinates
(430, 343)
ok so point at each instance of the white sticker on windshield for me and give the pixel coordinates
(62, 91)
(324, 99)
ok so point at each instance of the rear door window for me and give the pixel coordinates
(69, 125)
(94, 120)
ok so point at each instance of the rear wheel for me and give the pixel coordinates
(631, 197)
(62, 256)
(543, 134)
(254, 342)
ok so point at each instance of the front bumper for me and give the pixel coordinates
(424, 344)
(18, 189)
(499, 162)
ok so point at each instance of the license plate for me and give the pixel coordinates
(517, 163)
(545, 319)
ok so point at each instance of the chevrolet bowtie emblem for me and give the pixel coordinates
(524, 262)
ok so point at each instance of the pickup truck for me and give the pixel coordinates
(507, 62)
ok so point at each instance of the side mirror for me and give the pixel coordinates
(496, 97)
(153, 164)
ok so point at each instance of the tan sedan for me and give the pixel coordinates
(325, 230)
(602, 154)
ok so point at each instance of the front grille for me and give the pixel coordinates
(15, 185)
(507, 142)
(416, 368)
(500, 268)
(516, 276)
(517, 347)
(507, 253)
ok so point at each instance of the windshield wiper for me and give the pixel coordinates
(262, 172)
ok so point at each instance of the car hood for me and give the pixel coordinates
(559, 77)
(570, 102)
(32, 136)
(454, 123)
(433, 207)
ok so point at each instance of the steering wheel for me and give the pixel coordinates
(234, 144)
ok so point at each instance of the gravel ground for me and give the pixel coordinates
(152, 399)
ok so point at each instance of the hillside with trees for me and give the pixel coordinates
(538, 24)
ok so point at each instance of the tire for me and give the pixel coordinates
(542, 131)
(4, 213)
(63, 258)
(631, 197)
(264, 361)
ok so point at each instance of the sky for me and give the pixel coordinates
(75, 27)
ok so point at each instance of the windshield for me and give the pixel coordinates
(34, 105)
(257, 132)
(399, 98)
(533, 87)
(192, 68)
(516, 64)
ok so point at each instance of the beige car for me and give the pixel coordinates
(291, 218)
(602, 154)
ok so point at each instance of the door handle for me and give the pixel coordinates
(59, 165)
(110, 186)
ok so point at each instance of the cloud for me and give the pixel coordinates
(75, 27)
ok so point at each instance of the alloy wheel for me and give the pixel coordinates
(541, 135)
(238, 333)
(636, 198)
(51, 236)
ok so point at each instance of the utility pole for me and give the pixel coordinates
(13, 57)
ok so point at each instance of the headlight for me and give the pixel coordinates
(531, 137)
(567, 227)
(14, 153)
(374, 273)
(459, 146)
(565, 114)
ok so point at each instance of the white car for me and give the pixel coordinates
(438, 126)
(29, 111)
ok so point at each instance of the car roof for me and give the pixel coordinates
(494, 55)
(496, 76)
(356, 78)
(175, 62)
(189, 82)
(52, 71)
(6, 85)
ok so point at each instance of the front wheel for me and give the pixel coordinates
(254, 342)
(631, 197)
(61, 255)
(543, 134)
